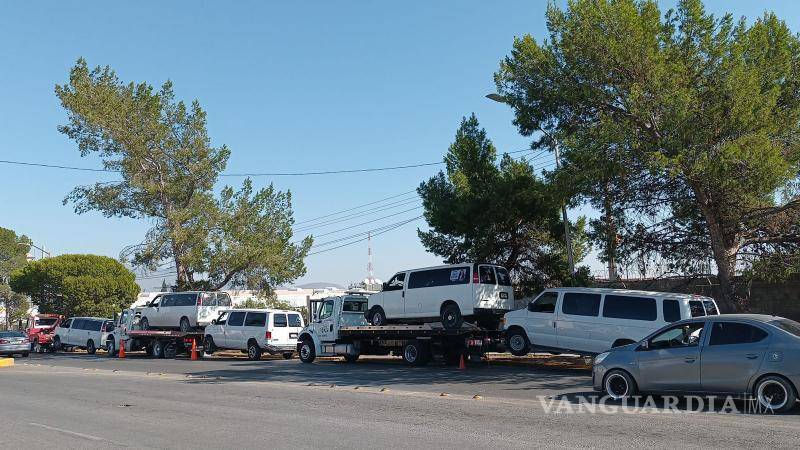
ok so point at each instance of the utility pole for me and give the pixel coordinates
(37, 248)
(567, 235)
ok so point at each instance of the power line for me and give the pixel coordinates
(367, 222)
(364, 239)
(354, 208)
(363, 233)
(356, 215)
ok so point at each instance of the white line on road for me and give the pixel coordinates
(71, 433)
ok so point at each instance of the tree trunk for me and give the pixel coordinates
(724, 251)
(611, 234)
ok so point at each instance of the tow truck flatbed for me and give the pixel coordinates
(413, 331)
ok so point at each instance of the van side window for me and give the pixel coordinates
(503, 279)
(545, 303)
(486, 274)
(166, 301)
(184, 300)
(294, 320)
(447, 276)
(255, 319)
(729, 333)
(632, 308)
(95, 325)
(279, 320)
(581, 304)
(711, 308)
(672, 310)
(223, 299)
(66, 324)
(697, 309)
(78, 324)
(236, 319)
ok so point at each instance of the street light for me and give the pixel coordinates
(567, 237)
(31, 244)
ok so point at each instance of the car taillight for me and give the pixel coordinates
(199, 300)
(268, 335)
(3, 341)
(475, 278)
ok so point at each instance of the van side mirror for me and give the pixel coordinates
(385, 286)
(213, 321)
(531, 307)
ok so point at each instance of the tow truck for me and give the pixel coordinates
(40, 329)
(337, 327)
(155, 343)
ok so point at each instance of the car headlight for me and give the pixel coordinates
(599, 358)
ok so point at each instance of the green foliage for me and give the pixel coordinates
(13, 255)
(271, 302)
(169, 169)
(77, 285)
(479, 211)
(701, 113)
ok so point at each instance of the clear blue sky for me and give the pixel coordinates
(287, 86)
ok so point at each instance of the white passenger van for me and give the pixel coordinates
(255, 331)
(449, 294)
(183, 310)
(82, 332)
(589, 321)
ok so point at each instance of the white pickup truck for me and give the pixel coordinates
(337, 327)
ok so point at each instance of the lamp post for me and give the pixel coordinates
(567, 236)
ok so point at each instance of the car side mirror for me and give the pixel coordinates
(530, 307)
(385, 286)
(644, 345)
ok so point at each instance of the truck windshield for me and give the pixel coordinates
(354, 306)
(42, 322)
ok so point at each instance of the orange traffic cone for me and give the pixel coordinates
(194, 349)
(461, 364)
(121, 349)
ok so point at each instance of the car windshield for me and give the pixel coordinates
(789, 326)
(10, 334)
(42, 322)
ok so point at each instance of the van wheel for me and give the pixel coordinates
(253, 351)
(158, 349)
(111, 349)
(619, 385)
(307, 352)
(517, 342)
(351, 358)
(208, 345)
(144, 324)
(185, 326)
(451, 317)
(288, 355)
(90, 348)
(774, 395)
(56, 344)
(415, 353)
(377, 317)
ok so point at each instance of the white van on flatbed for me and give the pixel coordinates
(254, 331)
(475, 292)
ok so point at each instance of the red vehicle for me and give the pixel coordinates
(40, 329)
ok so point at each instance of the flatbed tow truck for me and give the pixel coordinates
(155, 343)
(337, 327)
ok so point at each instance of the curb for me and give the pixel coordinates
(6, 362)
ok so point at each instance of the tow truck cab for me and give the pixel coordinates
(40, 329)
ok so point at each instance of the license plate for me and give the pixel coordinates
(504, 295)
(292, 335)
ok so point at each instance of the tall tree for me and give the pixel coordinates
(77, 285)
(707, 107)
(162, 151)
(479, 211)
(13, 255)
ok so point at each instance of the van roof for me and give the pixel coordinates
(266, 310)
(92, 318)
(444, 266)
(628, 292)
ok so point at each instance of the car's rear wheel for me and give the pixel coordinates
(307, 352)
(451, 317)
(377, 317)
(775, 394)
(90, 347)
(517, 342)
(25, 354)
(619, 385)
(111, 348)
(185, 326)
(253, 351)
(144, 324)
(415, 353)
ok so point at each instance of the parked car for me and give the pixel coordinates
(82, 332)
(14, 342)
(734, 354)
(255, 331)
(449, 294)
(591, 320)
(183, 310)
(40, 329)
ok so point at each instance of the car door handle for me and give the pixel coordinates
(752, 356)
(690, 359)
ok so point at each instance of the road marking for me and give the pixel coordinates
(71, 433)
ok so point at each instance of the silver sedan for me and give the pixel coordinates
(741, 355)
(12, 342)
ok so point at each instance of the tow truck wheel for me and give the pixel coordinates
(415, 353)
(307, 352)
(253, 351)
(90, 347)
(170, 350)
(351, 358)
(158, 349)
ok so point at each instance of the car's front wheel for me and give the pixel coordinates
(775, 394)
(208, 345)
(56, 343)
(253, 351)
(517, 342)
(90, 347)
(619, 385)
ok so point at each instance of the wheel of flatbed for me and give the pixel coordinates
(351, 358)
(170, 350)
(158, 349)
(416, 353)
(307, 352)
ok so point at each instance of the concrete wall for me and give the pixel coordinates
(780, 299)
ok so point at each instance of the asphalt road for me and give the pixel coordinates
(77, 401)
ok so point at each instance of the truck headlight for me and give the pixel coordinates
(599, 358)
